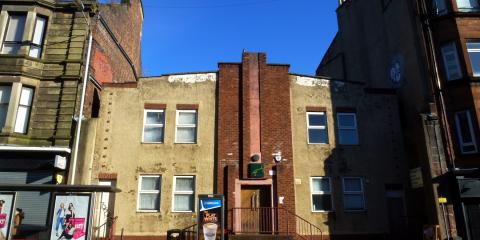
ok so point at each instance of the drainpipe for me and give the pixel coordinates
(80, 114)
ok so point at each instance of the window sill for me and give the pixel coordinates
(148, 143)
(183, 211)
(318, 144)
(188, 143)
(148, 211)
(356, 211)
(326, 212)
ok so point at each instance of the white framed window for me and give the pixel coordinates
(38, 36)
(347, 128)
(149, 193)
(153, 126)
(473, 48)
(451, 63)
(5, 92)
(317, 128)
(465, 132)
(23, 111)
(353, 198)
(468, 5)
(321, 190)
(183, 194)
(14, 33)
(186, 126)
(440, 7)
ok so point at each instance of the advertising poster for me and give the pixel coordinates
(210, 217)
(6, 212)
(71, 214)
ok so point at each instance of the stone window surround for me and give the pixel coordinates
(16, 83)
(32, 12)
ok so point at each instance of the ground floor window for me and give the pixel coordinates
(353, 198)
(184, 193)
(321, 190)
(149, 193)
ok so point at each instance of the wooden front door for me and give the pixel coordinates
(257, 212)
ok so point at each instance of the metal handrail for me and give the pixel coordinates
(110, 220)
(190, 232)
(267, 220)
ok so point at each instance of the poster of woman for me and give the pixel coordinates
(6, 209)
(71, 214)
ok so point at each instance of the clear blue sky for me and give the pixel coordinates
(194, 35)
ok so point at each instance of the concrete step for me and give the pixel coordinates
(260, 237)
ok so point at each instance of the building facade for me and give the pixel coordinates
(427, 52)
(299, 148)
(44, 51)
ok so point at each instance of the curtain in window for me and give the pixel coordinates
(4, 100)
(187, 118)
(321, 185)
(184, 184)
(186, 135)
(183, 202)
(149, 201)
(150, 183)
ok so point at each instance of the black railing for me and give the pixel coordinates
(190, 233)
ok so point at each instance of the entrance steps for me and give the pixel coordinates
(259, 237)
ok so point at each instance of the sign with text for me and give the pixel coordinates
(210, 217)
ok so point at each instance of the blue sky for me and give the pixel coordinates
(194, 35)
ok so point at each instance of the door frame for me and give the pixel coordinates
(238, 198)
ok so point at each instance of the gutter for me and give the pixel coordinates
(35, 149)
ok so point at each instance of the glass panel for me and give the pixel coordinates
(463, 122)
(317, 136)
(187, 118)
(150, 183)
(439, 7)
(321, 184)
(35, 51)
(317, 120)
(39, 30)
(3, 115)
(450, 61)
(183, 202)
(186, 135)
(352, 184)
(346, 120)
(153, 134)
(469, 149)
(322, 202)
(467, 5)
(353, 202)
(21, 122)
(154, 118)
(184, 184)
(473, 46)
(15, 29)
(149, 201)
(475, 62)
(5, 94)
(26, 96)
(348, 136)
(11, 48)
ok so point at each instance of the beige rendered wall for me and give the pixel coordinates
(119, 148)
(378, 159)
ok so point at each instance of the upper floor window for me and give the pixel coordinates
(450, 61)
(347, 128)
(353, 199)
(440, 7)
(153, 127)
(321, 189)
(465, 132)
(186, 129)
(183, 193)
(473, 48)
(4, 101)
(468, 5)
(23, 110)
(14, 34)
(38, 35)
(317, 127)
(149, 193)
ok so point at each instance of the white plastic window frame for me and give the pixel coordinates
(324, 127)
(145, 111)
(312, 193)
(140, 191)
(361, 193)
(471, 131)
(194, 126)
(43, 32)
(29, 110)
(175, 192)
(340, 127)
